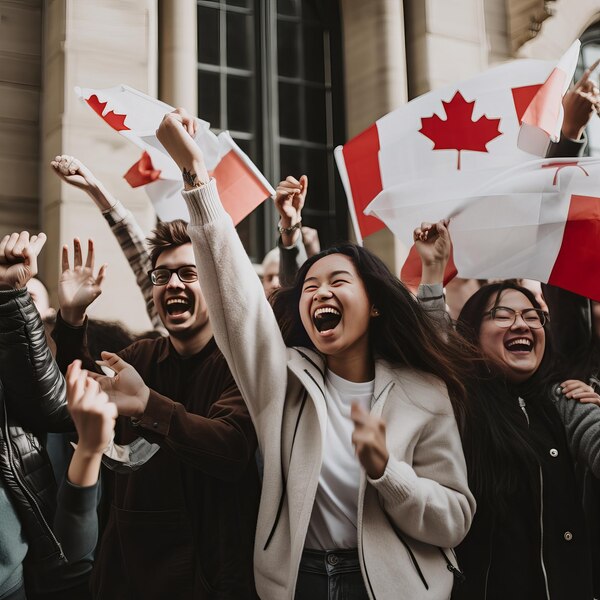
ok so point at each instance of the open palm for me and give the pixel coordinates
(77, 286)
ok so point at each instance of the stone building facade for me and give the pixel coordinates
(290, 78)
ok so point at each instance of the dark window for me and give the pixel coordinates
(270, 71)
(590, 53)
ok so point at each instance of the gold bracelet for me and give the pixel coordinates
(288, 230)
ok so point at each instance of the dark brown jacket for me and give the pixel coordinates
(182, 526)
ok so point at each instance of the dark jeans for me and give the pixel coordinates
(330, 575)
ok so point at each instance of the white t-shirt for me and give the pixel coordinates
(333, 520)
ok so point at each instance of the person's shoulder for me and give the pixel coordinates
(422, 390)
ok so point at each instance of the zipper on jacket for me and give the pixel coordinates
(542, 564)
(489, 567)
(364, 562)
(283, 478)
(542, 534)
(456, 572)
(31, 497)
(413, 558)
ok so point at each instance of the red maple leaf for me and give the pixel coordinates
(115, 120)
(459, 131)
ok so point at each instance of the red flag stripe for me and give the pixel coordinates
(576, 266)
(410, 275)
(361, 156)
(522, 97)
(240, 191)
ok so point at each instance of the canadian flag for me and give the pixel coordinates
(539, 220)
(136, 116)
(497, 119)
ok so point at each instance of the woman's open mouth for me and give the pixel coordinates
(326, 318)
(519, 345)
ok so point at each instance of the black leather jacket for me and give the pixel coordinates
(32, 402)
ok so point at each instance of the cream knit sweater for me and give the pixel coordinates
(420, 504)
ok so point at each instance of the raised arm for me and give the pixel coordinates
(289, 199)
(122, 223)
(34, 387)
(579, 105)
(76, 519)
(244, 325)
(433, 244)
(78, 287)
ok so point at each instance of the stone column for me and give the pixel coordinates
(20, 89)
(179, 54)
(98, 44)
(375, 81)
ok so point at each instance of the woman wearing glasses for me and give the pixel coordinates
(521, 437)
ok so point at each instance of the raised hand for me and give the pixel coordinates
(126, 389)
(289, 199)
(176, 133)
(369, 440)
(94, 417)
(579, 104)
(77, 286)
(75, 173)
(18, 258)
(580, 391)
(432, 241)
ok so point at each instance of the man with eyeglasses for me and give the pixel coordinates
(179, 522)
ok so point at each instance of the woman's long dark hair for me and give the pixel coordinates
(499, 447)
(403, 334)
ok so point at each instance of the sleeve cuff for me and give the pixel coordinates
(76, 499)
(295, 246)
(10, 294)
(115, 214)
(397, 482)
(63, 323)
(158, 414)
(430, 291)
(204, 204)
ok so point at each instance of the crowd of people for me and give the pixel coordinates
(322, 434)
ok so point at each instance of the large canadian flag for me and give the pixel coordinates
(499, 118)
(136, 116)
(539, 220)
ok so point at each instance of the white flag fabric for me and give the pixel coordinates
(495, 119)
(136, 116)
(539, 220)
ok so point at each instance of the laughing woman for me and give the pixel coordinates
(365, 485)
(521, 437)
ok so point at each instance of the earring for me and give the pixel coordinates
(375, 312)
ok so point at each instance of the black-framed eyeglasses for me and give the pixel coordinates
(162, 275)
(504, 317)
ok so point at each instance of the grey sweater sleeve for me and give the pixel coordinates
(431, 298)
(76, 522)
(582, 425)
